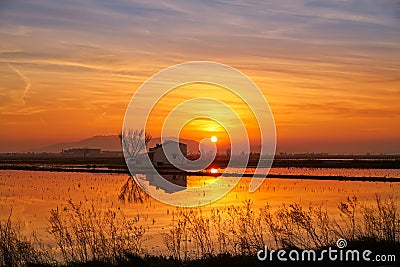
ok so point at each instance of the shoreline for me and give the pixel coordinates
(279, 162)
(171, 171)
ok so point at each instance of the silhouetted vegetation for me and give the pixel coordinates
(134, 142)
(196, 237)
(17, 249)
(86, 234)
(243, 230)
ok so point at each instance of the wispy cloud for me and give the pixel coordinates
(26, 80)
(87, 58)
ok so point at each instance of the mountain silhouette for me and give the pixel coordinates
(110, 143)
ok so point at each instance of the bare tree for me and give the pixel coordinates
(134, 141)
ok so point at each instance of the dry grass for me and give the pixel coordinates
(241, 230)
(17, 249)
(382, 221)
(86, 234)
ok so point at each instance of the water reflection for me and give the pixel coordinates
(132, 192)
(166, 184)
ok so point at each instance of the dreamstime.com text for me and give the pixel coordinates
(338, 253)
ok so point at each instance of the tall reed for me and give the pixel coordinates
(17, 249)
(88, 234)
(243, 230)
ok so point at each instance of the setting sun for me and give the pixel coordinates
(214, 139)
(213, 170)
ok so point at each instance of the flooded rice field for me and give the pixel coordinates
(29, 196)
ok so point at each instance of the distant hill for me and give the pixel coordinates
(109, 142)
(104, 142)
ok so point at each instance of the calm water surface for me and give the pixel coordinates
(32, 194)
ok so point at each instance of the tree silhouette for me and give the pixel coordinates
(134, 141)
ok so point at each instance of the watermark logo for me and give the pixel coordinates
(331, 254)
(152, 92)
(341, 243)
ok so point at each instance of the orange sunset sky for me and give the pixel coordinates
(330, 70)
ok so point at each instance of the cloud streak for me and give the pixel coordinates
(333, 58)
(26, 80)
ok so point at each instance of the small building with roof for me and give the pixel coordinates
(167, 154)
